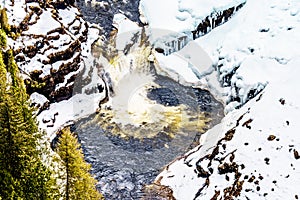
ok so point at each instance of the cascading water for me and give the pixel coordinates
(148, 121)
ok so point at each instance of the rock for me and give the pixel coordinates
(271, 137)
(50, 54)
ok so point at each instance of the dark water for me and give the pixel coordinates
(124, 166)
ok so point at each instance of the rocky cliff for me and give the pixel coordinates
(51, 44)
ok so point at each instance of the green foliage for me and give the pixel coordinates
(3, 41)
(22, 173)
(14, 35)
(4, 21)
(34, 85)
(17, 82)
(79, 183)
(2, 77)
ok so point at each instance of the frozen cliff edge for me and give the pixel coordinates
(254, 152)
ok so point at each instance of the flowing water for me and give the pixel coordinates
(153, 120)
(127, 154)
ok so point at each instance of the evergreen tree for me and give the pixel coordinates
(4, 21)
(3, 40)
(79, 184)
(22, 173)
(7, 187)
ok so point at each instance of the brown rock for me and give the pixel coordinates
(271, 137)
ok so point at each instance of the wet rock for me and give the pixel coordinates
(157, 192)
(201, 172)
(247, 123)
(282, 101)
(215, 19)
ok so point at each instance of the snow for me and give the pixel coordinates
(267, 61)
(38, 98)
(258, 48)
(45, 24)
(186, 61)
(169, 20)
(68, 15)
(126, 29)
(181, 16)
(123, 24)
(15, 13)
(186, 66)
(80, 105)
(242, 37)
(67, 111)
(270, 117)
(178, 66)
(202, 8)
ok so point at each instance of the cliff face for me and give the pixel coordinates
(52, 45)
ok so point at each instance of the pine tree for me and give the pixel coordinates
(4, 20)
(79, 184)
(5, 177)
(22, 173)
(3, 40)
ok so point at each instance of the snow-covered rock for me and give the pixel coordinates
(248, 50)
(39, 101)
(53, 52)
(181, 16)
(183, 21)
(172, 35)
(125, 29)
(51, 47)
(254, 152)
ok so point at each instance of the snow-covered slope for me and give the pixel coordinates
(54, 40)
(254, 152)
(248, 49)
(49, 48)
(181, 16)
(53, 51)
(254, 68)
(172, 36)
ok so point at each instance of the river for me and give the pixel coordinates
(127, 155)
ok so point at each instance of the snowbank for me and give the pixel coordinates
(126, 29)
(181, 16)
(254, 152)
(264, 148)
